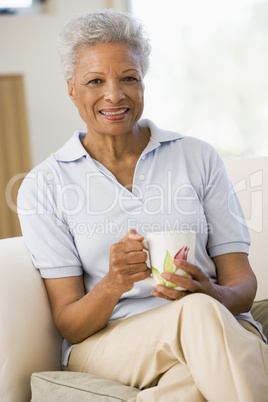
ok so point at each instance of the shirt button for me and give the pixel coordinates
(142, 177)
(143, 157)
(139, 197)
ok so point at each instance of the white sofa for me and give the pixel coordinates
(29, 341)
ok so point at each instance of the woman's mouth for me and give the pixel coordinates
(114, 114)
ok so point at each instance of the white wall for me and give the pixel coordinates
(28, 47)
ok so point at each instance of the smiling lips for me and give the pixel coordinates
(114, 114)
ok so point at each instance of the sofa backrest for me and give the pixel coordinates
(29, 341)
(250, 179)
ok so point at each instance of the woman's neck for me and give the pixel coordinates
(119, 154)
(109, 148)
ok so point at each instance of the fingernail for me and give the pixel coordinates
(135, 236)
(166, 275)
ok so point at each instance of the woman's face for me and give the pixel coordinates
(108, 89)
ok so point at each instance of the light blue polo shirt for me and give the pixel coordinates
(72, 209)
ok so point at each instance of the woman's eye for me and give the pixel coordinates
(129, 79)
(95, 81)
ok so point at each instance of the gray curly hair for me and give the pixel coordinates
(103, 26)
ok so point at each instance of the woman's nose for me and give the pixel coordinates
(114, 92)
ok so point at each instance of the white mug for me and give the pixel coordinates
(163, 248)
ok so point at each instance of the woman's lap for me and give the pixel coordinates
(138, 350)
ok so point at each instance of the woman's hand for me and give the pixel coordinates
(200, 282)
(235, 288)
(127, 263)
(78, 314)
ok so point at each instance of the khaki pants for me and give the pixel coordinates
(190, 350)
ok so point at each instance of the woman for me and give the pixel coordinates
(86, 210)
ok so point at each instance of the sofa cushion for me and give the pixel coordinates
(259, 311)
(58, 386)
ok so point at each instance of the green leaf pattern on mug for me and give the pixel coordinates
(159, 277)
(170, 267)
(168, 263)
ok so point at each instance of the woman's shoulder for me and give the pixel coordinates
(201, 157)
(198, 146)
(189, 144)
(49, 169)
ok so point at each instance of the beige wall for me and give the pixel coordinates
(28, 47)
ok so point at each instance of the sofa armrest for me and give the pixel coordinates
(29, 341)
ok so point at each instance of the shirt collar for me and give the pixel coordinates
(74, 150)
(158, 134)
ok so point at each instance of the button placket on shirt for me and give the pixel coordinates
(140, 178)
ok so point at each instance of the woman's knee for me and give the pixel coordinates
(198, 306)
(198, 301)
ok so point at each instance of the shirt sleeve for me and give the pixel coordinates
(44, 229)
(228, 232)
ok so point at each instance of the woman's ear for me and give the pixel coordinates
(71, 92)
